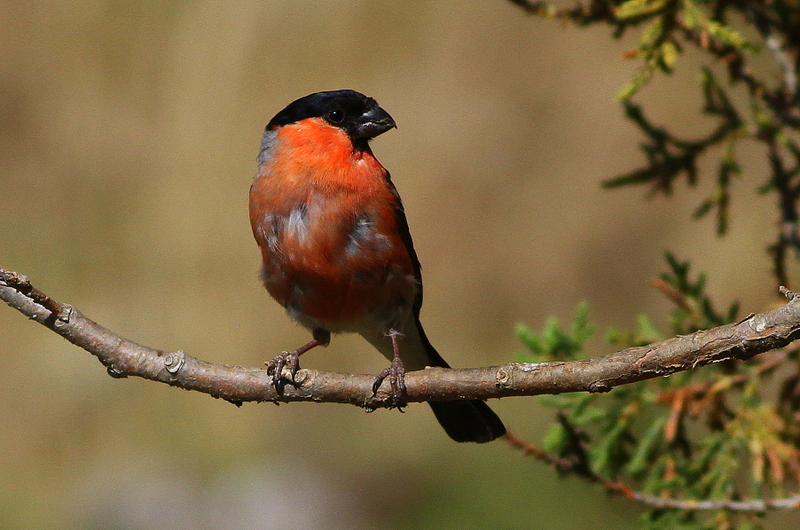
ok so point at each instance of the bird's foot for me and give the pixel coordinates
(396, 373)
(278, 363)
(292, 359)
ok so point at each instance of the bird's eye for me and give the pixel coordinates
(336, 115)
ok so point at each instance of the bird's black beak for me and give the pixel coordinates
(373, 122)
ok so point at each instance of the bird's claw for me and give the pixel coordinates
(278, 363)
(397, 381)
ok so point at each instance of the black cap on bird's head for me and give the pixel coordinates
(358, 115)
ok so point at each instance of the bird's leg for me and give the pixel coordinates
(395, 372)
(292, 358)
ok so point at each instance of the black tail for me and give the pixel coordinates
(463, 421)
(468, 421)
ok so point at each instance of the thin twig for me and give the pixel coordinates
(565, 465)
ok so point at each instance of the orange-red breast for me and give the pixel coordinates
(336, 248)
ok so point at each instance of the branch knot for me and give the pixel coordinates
(790, 295)
(174, 361)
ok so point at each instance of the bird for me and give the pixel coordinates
(336, 249)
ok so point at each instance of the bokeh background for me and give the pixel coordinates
(128, 137)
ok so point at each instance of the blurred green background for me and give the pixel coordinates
(128, 137)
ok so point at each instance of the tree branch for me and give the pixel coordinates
(755, 334)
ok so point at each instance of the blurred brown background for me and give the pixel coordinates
(128, 137)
